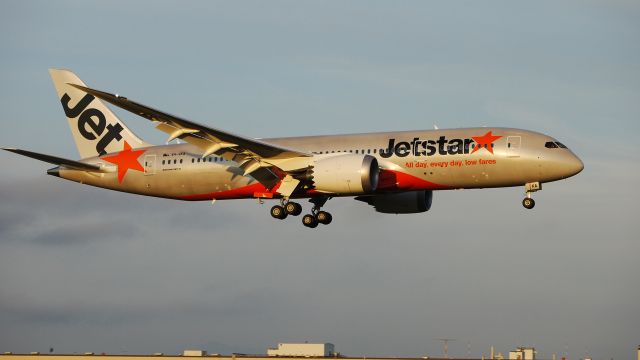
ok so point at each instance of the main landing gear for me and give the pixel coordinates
(529, 188)
(317, 216)
(312, 220)
(285, 209)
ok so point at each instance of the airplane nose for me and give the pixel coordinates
(574, 165)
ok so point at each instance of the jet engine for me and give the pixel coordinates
(409, 202)
(345, 174)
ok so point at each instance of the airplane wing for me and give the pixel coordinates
(71, 164)
(205, 137)
(255, 157)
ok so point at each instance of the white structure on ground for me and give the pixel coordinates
(194, 353)
(523, 353)
(303, 349)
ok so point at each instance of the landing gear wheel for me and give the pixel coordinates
(309, 221)
(278, 212)
(293, 208)
(528, 203)
(324, 217)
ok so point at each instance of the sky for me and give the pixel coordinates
(86, 269)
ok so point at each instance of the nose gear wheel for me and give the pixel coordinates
(528, 203)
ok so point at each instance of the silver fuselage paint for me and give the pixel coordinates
(519, 157)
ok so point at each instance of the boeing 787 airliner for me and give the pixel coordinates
(395, 172)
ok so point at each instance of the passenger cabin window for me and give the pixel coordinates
(550, 145)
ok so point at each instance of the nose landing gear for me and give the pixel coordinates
(529, 188)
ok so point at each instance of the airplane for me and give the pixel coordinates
(395, 172)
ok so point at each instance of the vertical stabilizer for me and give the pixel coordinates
(95, 129)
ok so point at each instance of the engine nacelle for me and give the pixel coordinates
(346, 174)
(409, 202)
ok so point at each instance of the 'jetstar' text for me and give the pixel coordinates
(417, 147)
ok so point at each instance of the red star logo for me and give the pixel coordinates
(485, 141)
(125, 160)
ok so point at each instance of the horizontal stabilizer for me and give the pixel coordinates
(72, 164)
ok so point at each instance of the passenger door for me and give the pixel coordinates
(513, 146)
(149, 164)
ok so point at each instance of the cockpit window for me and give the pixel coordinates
(560, 144)
(550, 145)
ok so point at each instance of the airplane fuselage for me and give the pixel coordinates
(409, 160)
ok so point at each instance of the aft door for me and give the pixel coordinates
(513, 146)
(149, 164)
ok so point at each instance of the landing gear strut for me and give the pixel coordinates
(529, 188)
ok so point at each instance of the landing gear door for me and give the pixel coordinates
(513, 146)
(149, 164)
